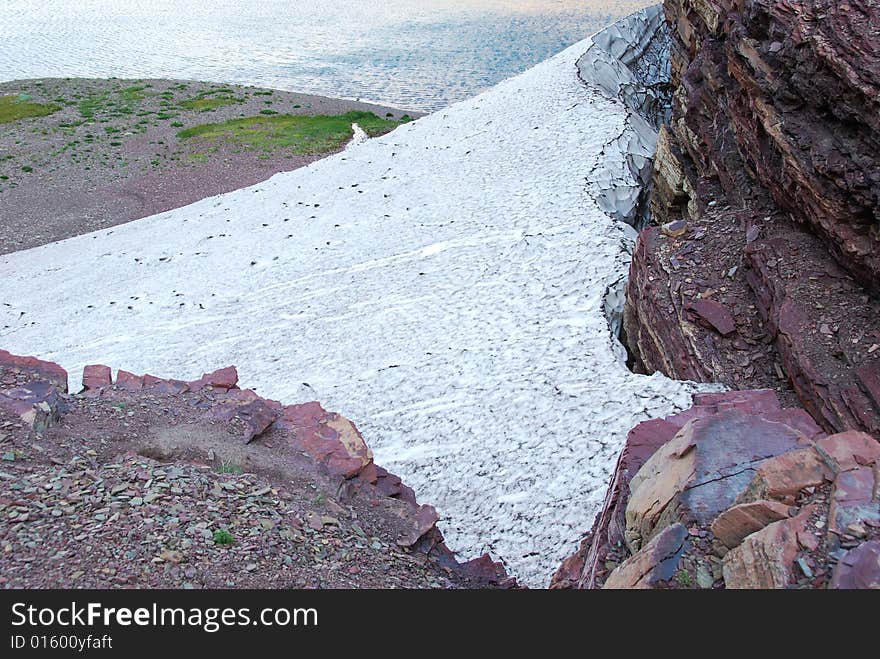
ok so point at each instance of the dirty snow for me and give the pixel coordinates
(442, 286)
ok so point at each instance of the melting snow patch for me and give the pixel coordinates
(443, 286)
(358, 135)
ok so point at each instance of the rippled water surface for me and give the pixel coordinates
(418, 54)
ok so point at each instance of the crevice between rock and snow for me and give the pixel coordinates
(629, 61)
(444, 286)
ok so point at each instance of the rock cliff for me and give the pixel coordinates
(762, 271)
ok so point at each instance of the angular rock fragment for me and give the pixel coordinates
(96, 376)
(766, 559)
(739, 521)
(783, 476)
(714, 315)
(656, 562)
(859, 568)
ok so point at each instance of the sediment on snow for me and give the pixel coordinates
(757, 273)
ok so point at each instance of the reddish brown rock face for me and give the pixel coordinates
(766, 559)
(735, 492)
(771, 159)
(789, 91)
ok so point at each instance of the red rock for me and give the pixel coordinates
(849, 450)
(96, 376)
(766, 559)
(329, 438)
(714, 315)
(425, 519)
(854, 499)
(869, 379)
(484, 569)
(610, 526)
(129, 381)
(642, 442)
(774, 116)
(258, 416)
(657, 562)
(390, 485)
(45, 370)
(860, 568)
(224, 377)
(783, 476)
(807, 540)
(568, 575)
(739, 521)
(702, 471)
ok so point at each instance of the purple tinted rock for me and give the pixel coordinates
(713, 314)
(859, 568)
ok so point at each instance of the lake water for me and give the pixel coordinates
(415, 54)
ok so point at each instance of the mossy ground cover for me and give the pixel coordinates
(20, 106)
(205, 104)
(302, 134)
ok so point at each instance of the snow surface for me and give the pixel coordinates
(442, 286)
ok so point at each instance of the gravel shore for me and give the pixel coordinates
(112, 154)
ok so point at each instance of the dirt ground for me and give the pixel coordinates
(148, 488)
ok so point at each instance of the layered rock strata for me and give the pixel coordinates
(766, 189)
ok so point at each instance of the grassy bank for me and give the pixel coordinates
(81, 154)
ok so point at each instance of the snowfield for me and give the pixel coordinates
(442, 286)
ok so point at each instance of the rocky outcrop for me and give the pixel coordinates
(211, 420)
(763, 271)
(736, 492)
(786, 95)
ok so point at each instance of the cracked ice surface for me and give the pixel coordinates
(442, 286)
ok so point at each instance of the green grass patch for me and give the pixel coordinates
(223, 537)
(20, 106)
(206, 104)
(102, 107)
(302, 134)
(133, 93)
(229, 468)
(91, 105)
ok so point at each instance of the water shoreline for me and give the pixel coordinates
(111, 153)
